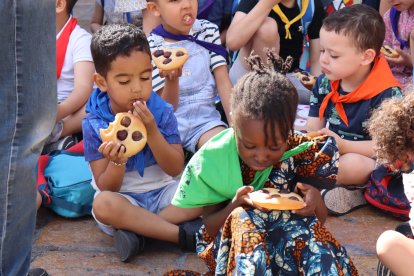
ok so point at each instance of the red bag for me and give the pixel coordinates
(385, 190)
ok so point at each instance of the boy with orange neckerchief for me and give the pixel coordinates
(356, 80)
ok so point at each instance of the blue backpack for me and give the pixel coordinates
(64, 182)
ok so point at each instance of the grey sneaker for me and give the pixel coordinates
(128, 244)
(340, 200)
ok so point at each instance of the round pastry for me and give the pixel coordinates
(271, 198)
(170, 59)
(305, 78)
(389, 52)
(127, 130)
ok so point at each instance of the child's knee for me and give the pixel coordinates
(386, 243)
(354, 169)
(103, 205)
(357, 163)
(267, 32)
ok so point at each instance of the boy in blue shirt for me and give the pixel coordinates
(133, 194)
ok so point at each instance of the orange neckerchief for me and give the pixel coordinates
(62, 44)
(379, 79)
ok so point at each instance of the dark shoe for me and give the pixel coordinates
(37, 272)
(128, 244)
(187, 234)
(61, 144)
(405, 229)
(340, 200)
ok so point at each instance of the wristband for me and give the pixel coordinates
(118, 164)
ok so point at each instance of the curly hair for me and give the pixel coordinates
(392, 128)
(114, 40)
(265, 93)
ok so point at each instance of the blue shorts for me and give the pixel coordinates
(153, 201)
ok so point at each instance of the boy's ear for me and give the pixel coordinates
(100, 81)
(60, 6)
(368, 56)
(152, 7)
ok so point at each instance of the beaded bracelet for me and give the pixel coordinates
(118, 164)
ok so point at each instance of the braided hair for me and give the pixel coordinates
(265, 93)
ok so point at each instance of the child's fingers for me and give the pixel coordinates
(305, 211)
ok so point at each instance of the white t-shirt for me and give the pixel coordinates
(79, 49)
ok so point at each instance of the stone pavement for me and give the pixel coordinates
(76, 247)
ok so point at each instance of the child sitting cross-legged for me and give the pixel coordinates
(191, 89)
(133, 194)
(261, 150)
(74, 73)
(355, 80)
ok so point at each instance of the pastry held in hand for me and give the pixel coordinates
(127, 130)
(273, 199)
(170, 59)
(389, 52)
(305, 78)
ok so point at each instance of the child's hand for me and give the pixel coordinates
(404, 59)
(114, 152)
(328, 132)
(141, 111)
(241, 197)
(311, 196)
(171, 74)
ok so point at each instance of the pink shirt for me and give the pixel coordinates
(405, 24)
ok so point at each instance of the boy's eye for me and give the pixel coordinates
(145, 78)
(334, 57)
(274, 148)
(123, 82)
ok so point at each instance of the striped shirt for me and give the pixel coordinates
(202, 30)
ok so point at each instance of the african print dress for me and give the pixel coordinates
(252, 242)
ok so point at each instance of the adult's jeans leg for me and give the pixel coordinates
(28, 110)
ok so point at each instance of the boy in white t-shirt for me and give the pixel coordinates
(75, 71)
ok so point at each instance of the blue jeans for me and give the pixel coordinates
(28, 112)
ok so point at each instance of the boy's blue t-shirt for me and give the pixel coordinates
(358, 113)
(165, 120)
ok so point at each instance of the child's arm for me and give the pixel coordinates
(224, 88)
(214, 216)
(314, 203)
(170, 157)
(170, 91)
(347, 146)
(314, 53)
(244, 26)
(82, 88)
(315, 124)
(109, 172)
(97, 18)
